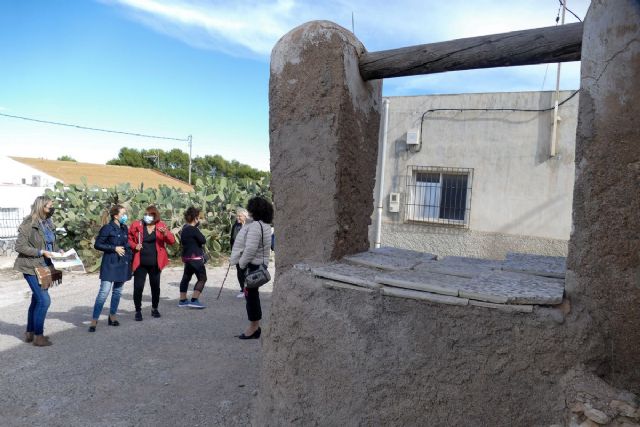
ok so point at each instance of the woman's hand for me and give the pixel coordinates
(120, 250)
(139, 247)
(46, 254)
(163, 230)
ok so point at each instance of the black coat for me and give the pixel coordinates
(114, 268)
(235, 229)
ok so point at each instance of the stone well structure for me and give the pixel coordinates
(344, 355)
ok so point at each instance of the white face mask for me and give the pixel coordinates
(148, 219)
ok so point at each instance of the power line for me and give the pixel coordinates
(141, 135)
(569, 10)
(526, 110)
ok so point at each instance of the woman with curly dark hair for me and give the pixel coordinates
(252, 248)
(193, 256)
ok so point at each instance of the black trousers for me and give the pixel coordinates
(198, 268)
(252, 296)
(139, 277)
(240, 276)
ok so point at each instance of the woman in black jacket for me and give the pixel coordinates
(115, 268)
(241, 218)
(192, 241)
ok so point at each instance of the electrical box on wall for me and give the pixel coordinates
(394, 202)
(413, 137)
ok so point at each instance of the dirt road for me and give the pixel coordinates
(186, 368)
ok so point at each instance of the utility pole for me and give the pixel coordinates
(554, 135)
(190, 142)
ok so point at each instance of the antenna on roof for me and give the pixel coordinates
(353, 26)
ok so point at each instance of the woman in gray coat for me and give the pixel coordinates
(251, 249)
(36, 240)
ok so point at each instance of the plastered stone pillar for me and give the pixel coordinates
(604, 250)
(324, 122)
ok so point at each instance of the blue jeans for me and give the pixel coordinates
(40, 302)
(105, 287)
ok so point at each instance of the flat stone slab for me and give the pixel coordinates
(423, 281)
(509, 308)
(454, 268)
(424, 296)
(403, 253)
(548, 266)
(514, 288)
(387, 259)
(347, 273)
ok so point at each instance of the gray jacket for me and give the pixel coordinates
(29, 243)
(247, 247)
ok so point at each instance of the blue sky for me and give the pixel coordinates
(201, 67)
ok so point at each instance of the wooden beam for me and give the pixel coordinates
(536, 46)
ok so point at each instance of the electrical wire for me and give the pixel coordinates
(141, 135)
(569, 10)
(526, 110)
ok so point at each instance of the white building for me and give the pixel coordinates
(473, 174)
(20, 184)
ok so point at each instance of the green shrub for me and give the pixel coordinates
(79, 209)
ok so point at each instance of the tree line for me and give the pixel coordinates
(175, 163)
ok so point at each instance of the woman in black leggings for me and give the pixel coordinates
(251, 249)
(192, 241)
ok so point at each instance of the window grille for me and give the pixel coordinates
(438, 195)
(10, 220)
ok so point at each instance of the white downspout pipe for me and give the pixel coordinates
(381, 166)
(554, 135)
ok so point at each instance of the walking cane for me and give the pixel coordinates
(223, 280)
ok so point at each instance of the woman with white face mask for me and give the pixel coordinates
(148, 239)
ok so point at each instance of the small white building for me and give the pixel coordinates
(473, 174)
(20, 184)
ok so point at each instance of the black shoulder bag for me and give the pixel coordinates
(259, 277)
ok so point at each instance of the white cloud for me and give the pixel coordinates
(252, 27)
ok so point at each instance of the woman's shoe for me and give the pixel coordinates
(113, 322)
(28, 337)
(92, 328)
(138, 316)
(155, 313)
(41, 341)
(253, 336)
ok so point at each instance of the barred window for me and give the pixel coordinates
(438, 195)
(10, 219)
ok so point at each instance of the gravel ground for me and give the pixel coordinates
(184, 369)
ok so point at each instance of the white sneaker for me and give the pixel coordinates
(240, 295)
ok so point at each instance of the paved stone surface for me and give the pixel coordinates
(352, 274)
(514, 288)
(460, 266)
(423, 281)
(404, 253)
(509, 308)
(186, 368)
(424, 296)
(549, 266)
(381, 261)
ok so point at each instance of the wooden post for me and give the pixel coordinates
(536, 46)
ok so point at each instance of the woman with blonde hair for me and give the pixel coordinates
(36, 240)
(115, 268)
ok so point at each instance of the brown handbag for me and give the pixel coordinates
(48, 276)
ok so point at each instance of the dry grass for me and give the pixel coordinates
(104, 176)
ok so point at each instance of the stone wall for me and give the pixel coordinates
(355, 357)
(7, 247)
(445, 241)
(604, 250)
(338, 356)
